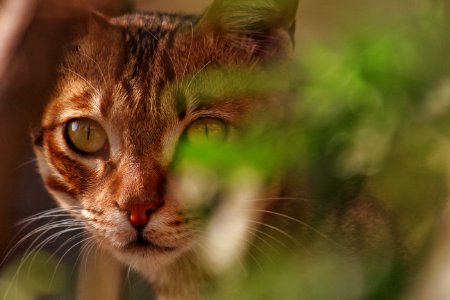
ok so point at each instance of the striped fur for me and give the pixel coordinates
(135, 75)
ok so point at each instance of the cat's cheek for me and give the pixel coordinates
(64, 200)
(109, 226)
(53, 182)
(168, 228)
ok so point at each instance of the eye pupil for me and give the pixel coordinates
(89, 132)
(207, 130)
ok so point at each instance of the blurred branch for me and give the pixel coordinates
(22, 22)
(99, 277)
(14, 17)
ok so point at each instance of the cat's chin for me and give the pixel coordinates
(148, 258)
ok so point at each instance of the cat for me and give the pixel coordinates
(133, 93)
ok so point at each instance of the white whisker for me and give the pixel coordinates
(27, 162)
(62, 257)
(97, 65)
(42, 230)
(190, 48)
(64, 212)
(196, 74)
(257, 235)
(297, 221)
(46, 241)
(290, 237)
(84, 79)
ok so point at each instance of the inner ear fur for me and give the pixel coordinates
(263, 27)
(249, 16)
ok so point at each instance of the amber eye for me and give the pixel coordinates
(85, 136)
(207, 130)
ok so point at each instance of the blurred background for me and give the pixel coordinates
(373, 86)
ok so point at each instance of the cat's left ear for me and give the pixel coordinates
(250, 17)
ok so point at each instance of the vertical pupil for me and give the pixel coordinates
(206, 130)
(89, 131)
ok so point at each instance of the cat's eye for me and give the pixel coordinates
(85, 136)
(206, 130)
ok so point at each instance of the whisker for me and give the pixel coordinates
(43, 229)
(40, 215)
(35, 246)
(247, 250)
(97, 65)
(177, 81)
(299, 222)
(290, 237)
(84, 79)
(257, 235)
(53, 218)
(62, 257)
(50, 213)
(46, 241)
(25, 259)
(84, 250)
(27, 162)
(190, 48)
(272, 238)
(196, 74)
(70, 240)
(94, 247)
(128, 277)
(238, 258)
(46, 229)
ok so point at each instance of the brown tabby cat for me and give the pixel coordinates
(124, 101)
(132, 91)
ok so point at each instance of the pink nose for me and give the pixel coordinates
(140, 212)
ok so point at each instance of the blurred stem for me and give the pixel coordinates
(99, 277)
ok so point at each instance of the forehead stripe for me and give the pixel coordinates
(142, 47)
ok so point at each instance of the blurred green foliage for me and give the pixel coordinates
(371, 110)
(34, 276)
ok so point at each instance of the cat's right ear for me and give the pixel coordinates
(265, 27)
(250, 16)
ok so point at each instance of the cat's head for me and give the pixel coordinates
(131, 91)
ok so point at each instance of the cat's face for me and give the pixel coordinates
(131, 92)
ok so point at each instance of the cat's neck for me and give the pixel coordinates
(184, 278)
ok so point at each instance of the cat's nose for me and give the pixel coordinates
(139, 213)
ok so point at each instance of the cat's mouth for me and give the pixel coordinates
(142, 243)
